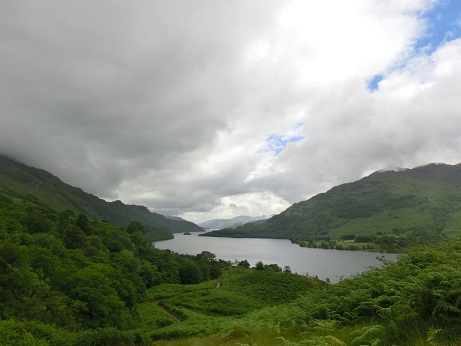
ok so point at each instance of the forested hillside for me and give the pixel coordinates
(67, 279)
(388, 211)
(65, 270)
(41, 187)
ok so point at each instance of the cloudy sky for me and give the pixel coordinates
(212, 109)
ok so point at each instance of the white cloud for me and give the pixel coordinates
(171, 104)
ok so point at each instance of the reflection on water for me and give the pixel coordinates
(332, 264)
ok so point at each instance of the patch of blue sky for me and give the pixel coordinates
(373, 83)
(277, 143)
(443, 24)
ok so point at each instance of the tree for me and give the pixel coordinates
(73, 237)
(135, 226)
(37, 221)
(66, 216)
(149, 273)
(259, 265)
(206, 256)
(273, 267)
(244, 264)
(215, 271)
(287, 269)
(189, 273)
(83, 223)
(95, 299)
(22, 291)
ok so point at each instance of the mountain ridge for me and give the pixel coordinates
(404, 207)
(19, 179)
(231, 222)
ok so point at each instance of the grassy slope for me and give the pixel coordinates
(212, 307)
(40, 186)
(412, 302)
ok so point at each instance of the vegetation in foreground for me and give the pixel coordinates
(415, 301)
(68, 280)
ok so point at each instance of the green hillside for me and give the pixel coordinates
(37, 185)
(66, 279)
(386, 211)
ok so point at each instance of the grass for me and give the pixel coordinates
(380, 307)
(241, 302)
(453, 229)
(315, 335)
(385, 222)
(164, 291)
(153, 316)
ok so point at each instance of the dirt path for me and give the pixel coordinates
(170, 313)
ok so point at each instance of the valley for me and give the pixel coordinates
(67, 278)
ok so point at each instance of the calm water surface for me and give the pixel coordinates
(332, 264)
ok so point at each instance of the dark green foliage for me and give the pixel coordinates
(421, 290)
(226, 232)
(269, 285)
(287, 269)
(259, 265)
(42, 188)
(83, 223)
(63, 273)
(95, 299)
(190, 273)
(154, 234)
(135, 226)
(73, 237)
(37, 221)
(244, 264)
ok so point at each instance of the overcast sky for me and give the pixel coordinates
(211, 108)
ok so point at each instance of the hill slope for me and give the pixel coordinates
(231, 223)
(417, 205)
(17, 179)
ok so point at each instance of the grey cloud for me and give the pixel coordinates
(161, 103)
(102, 85)
(362, 132)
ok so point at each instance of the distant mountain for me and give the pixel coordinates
(417, 205)
(231, 223)
(20, 180)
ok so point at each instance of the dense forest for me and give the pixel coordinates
(66, 279)
(68, 271)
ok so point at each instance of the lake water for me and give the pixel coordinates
(331, 264)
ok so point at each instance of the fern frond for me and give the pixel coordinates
(368, 334)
